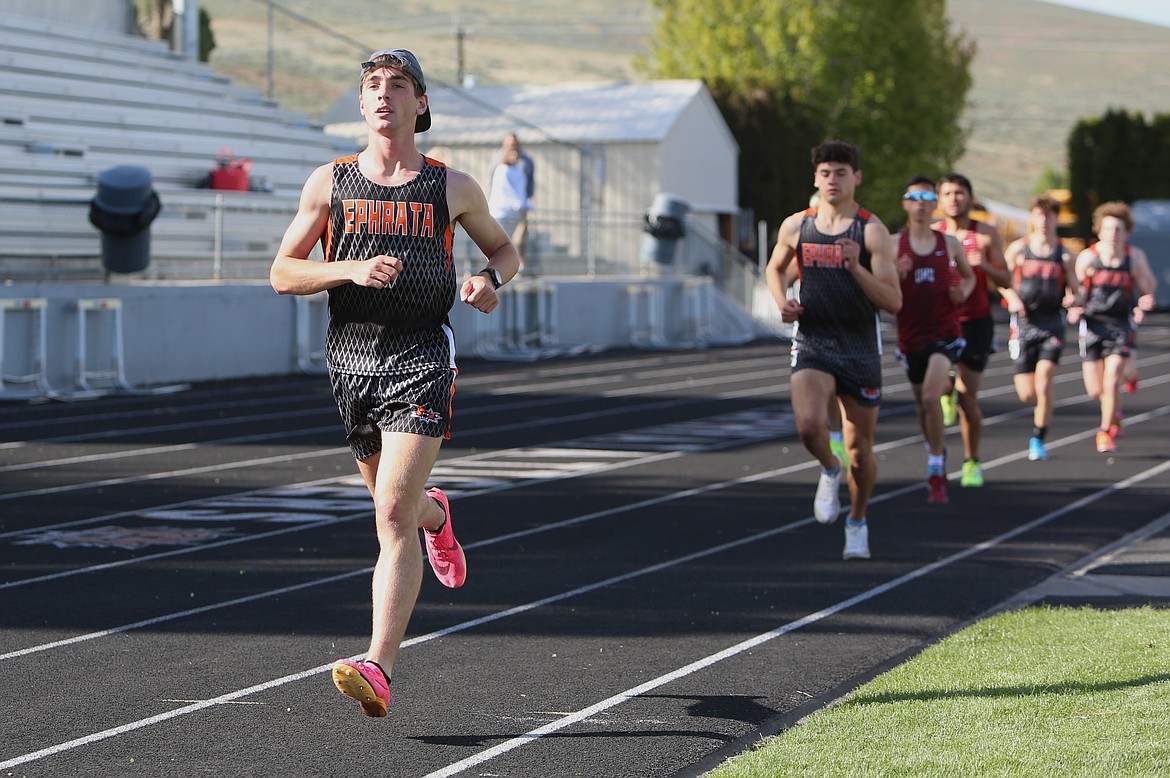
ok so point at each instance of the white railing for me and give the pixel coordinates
(201, 234)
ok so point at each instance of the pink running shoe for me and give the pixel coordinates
(364, 682)
(443, 550)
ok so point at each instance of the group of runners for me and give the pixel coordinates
(835, 267)
(385, 218)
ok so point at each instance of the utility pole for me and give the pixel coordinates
(460, 36)
(271, 46)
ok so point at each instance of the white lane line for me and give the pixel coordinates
(534, 735)
(615, 700)
(695, 491)
(183, 614)
(498, 487)
(177, 552)
(103, 456)
(491, 389)
(526, 424)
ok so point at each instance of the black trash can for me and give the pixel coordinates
(122, 209)
(664, 225)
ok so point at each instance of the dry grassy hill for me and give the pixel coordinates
(1039, 69)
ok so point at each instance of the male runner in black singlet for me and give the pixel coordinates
(1115, 279)
(385, 218)
(846, 263)
(1044, 283)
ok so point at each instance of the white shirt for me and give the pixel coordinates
(509, 191)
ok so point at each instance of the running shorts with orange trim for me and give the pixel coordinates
(857, 377)
(419, 403)
(1105, 338)
(1032, 342)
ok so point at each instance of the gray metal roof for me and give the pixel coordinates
(594, 112)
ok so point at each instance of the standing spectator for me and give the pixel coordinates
(1045, 283)
(386, 217)
(935, 279)
(512, 184)
(984, 249)
(846, 263)
(1115, 278)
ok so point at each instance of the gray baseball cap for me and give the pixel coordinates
(408, 64)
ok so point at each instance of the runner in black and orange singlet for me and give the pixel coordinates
(386, 219)
(1115, 279)
(1044, 284)
(984, 249)
(845, 260)
(935, 279)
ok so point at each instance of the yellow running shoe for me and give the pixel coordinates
(972, 473)
(838, 447)
(950, 407)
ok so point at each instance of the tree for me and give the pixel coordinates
(206, 36)
(1112, 157)
(889, 76)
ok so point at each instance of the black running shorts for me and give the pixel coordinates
(419, 403)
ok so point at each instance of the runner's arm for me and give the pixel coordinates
(880, 283)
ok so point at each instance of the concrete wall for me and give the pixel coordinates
(202, 331)
(107, 15)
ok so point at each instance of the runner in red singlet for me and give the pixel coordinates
(935, 279)
(984, 249)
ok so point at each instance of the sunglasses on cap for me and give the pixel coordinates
(920, 194)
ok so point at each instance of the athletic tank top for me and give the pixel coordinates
(1109, 290)
(928, 314)
(837, 316)
(978, 304)
(1040, 282)
(390, 331)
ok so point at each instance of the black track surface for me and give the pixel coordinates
(647, 589)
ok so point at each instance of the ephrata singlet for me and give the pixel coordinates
(399, 329)
(1109, 291)
(1040, 285)
(838, 316)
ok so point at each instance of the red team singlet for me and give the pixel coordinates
(978, 303)
(928, 314)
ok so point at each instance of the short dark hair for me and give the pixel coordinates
(920, 181)
(1045, 202)
(960, 179)
(836, 151)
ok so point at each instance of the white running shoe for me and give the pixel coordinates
(827, 503)
(856, 542)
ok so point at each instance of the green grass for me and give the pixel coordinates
(1039, 692)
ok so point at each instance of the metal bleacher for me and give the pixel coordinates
(76, 101)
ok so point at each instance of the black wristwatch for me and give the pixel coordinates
(494, 275)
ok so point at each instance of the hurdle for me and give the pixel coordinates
(116, 373)
(523, 329)
(37, 379)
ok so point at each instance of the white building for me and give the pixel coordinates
(602, 149)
